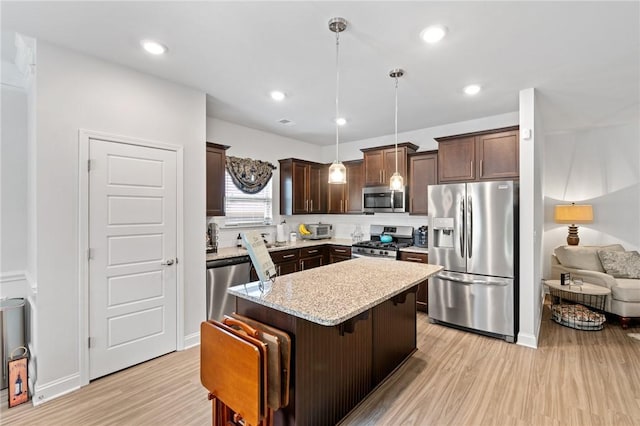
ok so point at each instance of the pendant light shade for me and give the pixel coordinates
(337, 171)
(397, 182)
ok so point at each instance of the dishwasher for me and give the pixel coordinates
(222, 274)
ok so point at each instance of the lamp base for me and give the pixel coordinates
(572, 238)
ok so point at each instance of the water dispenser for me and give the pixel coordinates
(443, 232)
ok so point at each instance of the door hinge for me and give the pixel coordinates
(90, 342)
(89, 165)
(89, 254)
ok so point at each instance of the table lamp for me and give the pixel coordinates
(573, 214)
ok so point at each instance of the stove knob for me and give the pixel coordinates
(372, 251)
(386, 253)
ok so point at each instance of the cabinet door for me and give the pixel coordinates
(456, 160)
(353, 195)
(285, 268)
(300, 188)
(215, 181)
(423, 171)
(317, 188)
(336, 198)
(390, 164)
(311, 262)
(421, 295)
(498, 155)
(373, 168)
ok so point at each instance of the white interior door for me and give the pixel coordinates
(132, 267)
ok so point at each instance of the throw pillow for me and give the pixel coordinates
(620, 264)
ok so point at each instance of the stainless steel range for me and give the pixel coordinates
(385, 242)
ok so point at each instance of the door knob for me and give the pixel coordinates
(167, 262)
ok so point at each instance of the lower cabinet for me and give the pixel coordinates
(313, 257)
(421, 296)
(339, 253)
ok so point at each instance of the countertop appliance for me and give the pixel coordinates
(473, 233)
(420, 237)
(222, 274)
(401, 236)
(384, 200)
(319, 231)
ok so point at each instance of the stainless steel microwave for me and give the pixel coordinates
(384, 200)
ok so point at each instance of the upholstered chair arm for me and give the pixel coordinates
(592, 277)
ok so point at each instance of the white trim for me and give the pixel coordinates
(191, 340)
(84, 136)
(528, 340)
(11, 276)
(55, 389)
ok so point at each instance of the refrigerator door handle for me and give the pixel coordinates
(469, 226)
(461, 225)
(454, 279)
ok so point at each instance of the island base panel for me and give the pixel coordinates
(334, 368)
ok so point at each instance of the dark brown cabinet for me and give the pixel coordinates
(286, 261)
(347, 198)
(339, 253)
(313, 257)
(215, 178)
(302, 187)
(423, 171)
(380, 163)
(489, 155)
(422, 294)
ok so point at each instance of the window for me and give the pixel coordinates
(247, 209)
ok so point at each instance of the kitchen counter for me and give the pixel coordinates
(227, 252)
(415, 249)
(335, 293)
(351, 323)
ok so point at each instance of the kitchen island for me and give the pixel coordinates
(352, 324)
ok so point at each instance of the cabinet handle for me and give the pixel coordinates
(472, 173)
(312, 251)
(279, 270)
(339, 251)
(381, 176)
(306, 205)
(341, 203)
(415, 259)
(346, 205)
(311, 206)
(302, 265)
(286, 256)
(481, 168)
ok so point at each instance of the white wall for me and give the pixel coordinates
(13, 191)
(531, 211)
(597, 166)
(76, 91)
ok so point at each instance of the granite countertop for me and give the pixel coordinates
(227, 252)
(332, 294)
(414, 249)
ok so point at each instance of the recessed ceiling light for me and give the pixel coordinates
(433, 34)
(153, 47)
(472, 89)
(277, 95)
(340, 121)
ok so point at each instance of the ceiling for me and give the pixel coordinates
(582, 57)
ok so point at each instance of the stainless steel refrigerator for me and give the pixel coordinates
(473, 233)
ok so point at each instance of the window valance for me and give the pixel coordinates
(249, 175)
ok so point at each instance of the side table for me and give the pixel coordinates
(578, 306)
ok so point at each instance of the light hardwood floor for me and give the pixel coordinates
(455, 378)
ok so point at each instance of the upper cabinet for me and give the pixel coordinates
(347, 198)
(302, 187)
(423, 171)
(488, 155)
(215, 178)
(380, 163)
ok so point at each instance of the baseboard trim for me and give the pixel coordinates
(528, 340)
(191, 340)
(56, 388)
(7, 277)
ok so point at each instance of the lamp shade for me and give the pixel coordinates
(573, 213)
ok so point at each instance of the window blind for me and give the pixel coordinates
(247, 209)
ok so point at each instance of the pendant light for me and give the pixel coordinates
(396, 183)
(337, 170)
